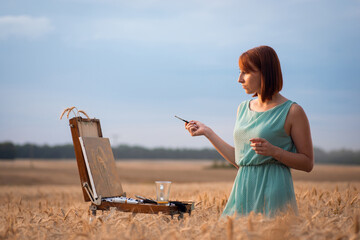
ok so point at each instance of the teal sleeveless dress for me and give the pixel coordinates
(262, 184)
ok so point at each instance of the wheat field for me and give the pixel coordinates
(328, 209)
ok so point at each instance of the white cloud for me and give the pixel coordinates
(24, 27)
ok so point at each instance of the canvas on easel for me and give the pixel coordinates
(100, 164)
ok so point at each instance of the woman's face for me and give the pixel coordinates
(250, 81)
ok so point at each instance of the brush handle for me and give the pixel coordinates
(182, 119)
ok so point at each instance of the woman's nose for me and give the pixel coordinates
(241, 79)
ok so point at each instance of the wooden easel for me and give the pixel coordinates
(90, 128)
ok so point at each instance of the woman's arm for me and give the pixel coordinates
(197, 128)
(300, 134)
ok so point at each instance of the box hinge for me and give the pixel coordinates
(96, 201)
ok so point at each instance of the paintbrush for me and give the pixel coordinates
(146, 200)
(182, 119)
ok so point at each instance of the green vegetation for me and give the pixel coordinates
(9, 150)
(120, 152)
(125, 151)
(221, 164)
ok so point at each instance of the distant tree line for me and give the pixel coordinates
(9, 150)
(126, 151)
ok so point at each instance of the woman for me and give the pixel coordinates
(271, 135)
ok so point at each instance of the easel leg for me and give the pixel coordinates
(93, 209)
(181, 216)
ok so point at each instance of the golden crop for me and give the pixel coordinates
(327, 210)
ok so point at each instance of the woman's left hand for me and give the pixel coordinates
(262, 146)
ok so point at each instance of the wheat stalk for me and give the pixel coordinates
(353, 200)
(83, 112)
(63, 112)
(356, 224)
(229, 228)
(71, 110)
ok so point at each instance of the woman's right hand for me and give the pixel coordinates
(196, 128)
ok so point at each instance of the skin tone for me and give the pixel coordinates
(296, 125)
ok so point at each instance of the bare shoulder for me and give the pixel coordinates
(296, 113)
(296, 109)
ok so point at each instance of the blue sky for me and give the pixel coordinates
(135, 64)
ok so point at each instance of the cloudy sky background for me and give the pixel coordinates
(135, 64)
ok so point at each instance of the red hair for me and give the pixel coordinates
(265, 60)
